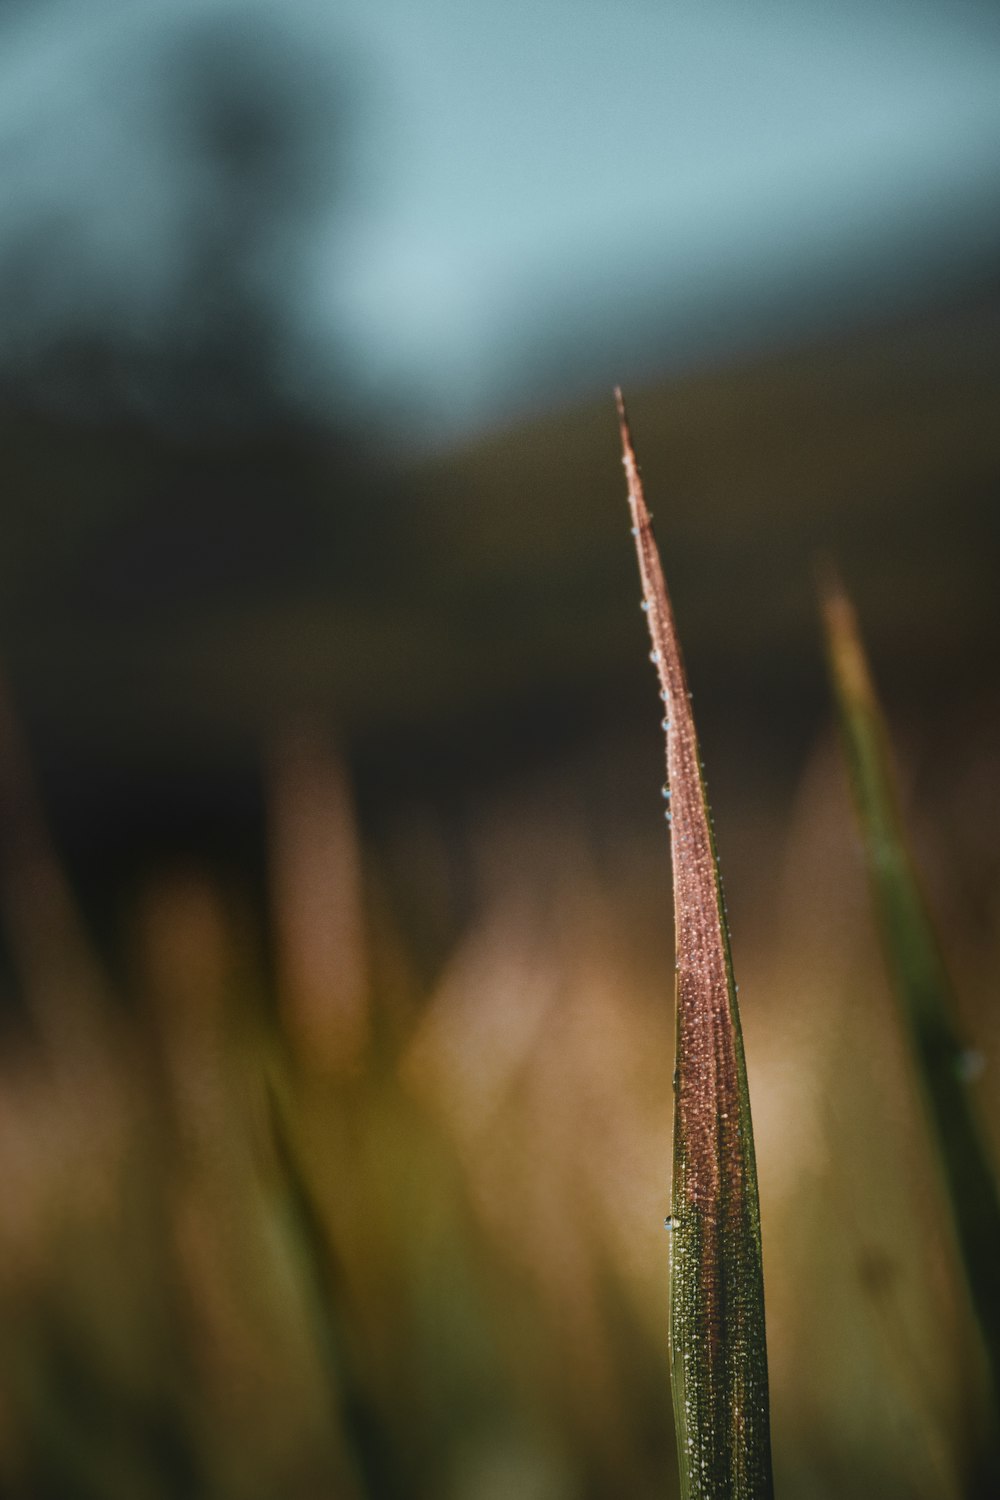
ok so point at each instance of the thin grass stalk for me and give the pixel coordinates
(371, 1457)
(718, 1348)
(913, 954)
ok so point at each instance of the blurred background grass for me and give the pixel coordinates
(336, 964)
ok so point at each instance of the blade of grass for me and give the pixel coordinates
(318, 902)
(717, 1338)
(376, 1474)
(919, 974)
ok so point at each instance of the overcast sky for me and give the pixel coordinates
(635, 182)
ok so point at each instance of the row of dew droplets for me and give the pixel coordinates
(642, 535)
(718, 1354)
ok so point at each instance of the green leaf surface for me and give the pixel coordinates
(944, 1062)
(717, 1336)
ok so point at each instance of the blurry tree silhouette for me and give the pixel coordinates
(164, 488)
(240, 140)
(260, 131)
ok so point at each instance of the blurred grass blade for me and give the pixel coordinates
(919, 974)
(318, 900)
(717, 1339)
(374, 1474)
(65, 982)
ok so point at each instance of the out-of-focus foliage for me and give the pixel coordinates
(304, 1215)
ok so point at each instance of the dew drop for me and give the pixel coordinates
(668, 1222)
(664, 694)
(664, 723)
(644, 606)
(654, 656)
(669, 816)
(635, 531)
(665, 791)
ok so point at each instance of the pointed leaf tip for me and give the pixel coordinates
(623, 427)
(847, 655)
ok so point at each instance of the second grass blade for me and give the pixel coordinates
(919, 976)
(717, 1338)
